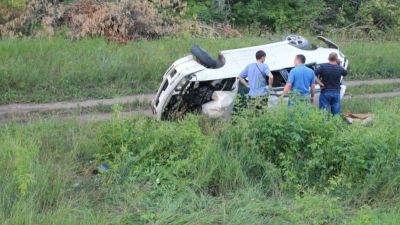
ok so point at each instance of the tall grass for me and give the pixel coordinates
(363, 105)
(372, 59)
(54, 69)
(285, 166)
(370, 89)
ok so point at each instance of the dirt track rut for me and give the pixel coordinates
(21, 109)
(26, 108)
(372, 82)
(377, 95)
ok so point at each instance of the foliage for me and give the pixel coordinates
(380, 14)
(125, 20)
(277, 16)
(210, 172)
(56, 69)
(366, 16)
(317, 209)
(146, 152)
(207, 11)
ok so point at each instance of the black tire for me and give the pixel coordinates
(204, 58)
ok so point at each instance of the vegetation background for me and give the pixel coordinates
(281, 166)
(73, 50)
(372, 18)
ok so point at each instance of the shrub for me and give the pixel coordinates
(379, 14)
(295, 140)
(122, 21)
(314, 150)
(278, 16)
(160, 153)
(316, 209)
(27, 21)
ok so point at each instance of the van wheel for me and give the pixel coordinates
(297, 41)
(204, 58)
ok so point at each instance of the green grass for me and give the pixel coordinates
(372, 59)
(284, 166)
(68, 113)
(362, 105)
(373, 89)
(55, 69)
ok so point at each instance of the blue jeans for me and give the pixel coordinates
(298, 98)
(330, 100)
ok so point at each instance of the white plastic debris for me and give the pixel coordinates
(221, 105)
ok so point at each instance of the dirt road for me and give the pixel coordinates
(26, 108)
(371, 82)
(22, 109)
(377, 95)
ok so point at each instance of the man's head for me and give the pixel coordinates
(260, 56)
(299, 59)
(333, 58)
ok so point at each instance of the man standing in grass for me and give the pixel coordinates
(301, 82)
(329, 78)
(257, 74)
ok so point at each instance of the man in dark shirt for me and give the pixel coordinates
(329, 78)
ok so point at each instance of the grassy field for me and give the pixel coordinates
(45, 70)
(372, 89)
(199, 171)
(363, 105)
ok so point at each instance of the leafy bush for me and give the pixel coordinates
(158, 153)
(313, 150)
(209, 11)
(317, 209)
(379, 14)
(277, 16)
(281, 166)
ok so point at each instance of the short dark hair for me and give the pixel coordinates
(260, 54)
(302, 58)
(333, 57)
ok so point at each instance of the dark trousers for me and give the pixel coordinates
(330, 100)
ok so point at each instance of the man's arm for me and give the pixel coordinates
(319, 82)
(312, 90)
(317, 73)
(244, 82)
(312, 86)
(288, 86)
(344, 72)
(270, 80)
(243, 76)
(268, 73)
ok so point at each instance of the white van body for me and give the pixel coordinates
(189, 86)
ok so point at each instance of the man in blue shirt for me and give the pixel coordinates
(257, 73)
(301, 81)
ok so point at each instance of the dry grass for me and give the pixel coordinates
(120, 21)
(25, 22)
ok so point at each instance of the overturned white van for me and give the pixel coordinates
(199, 83)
